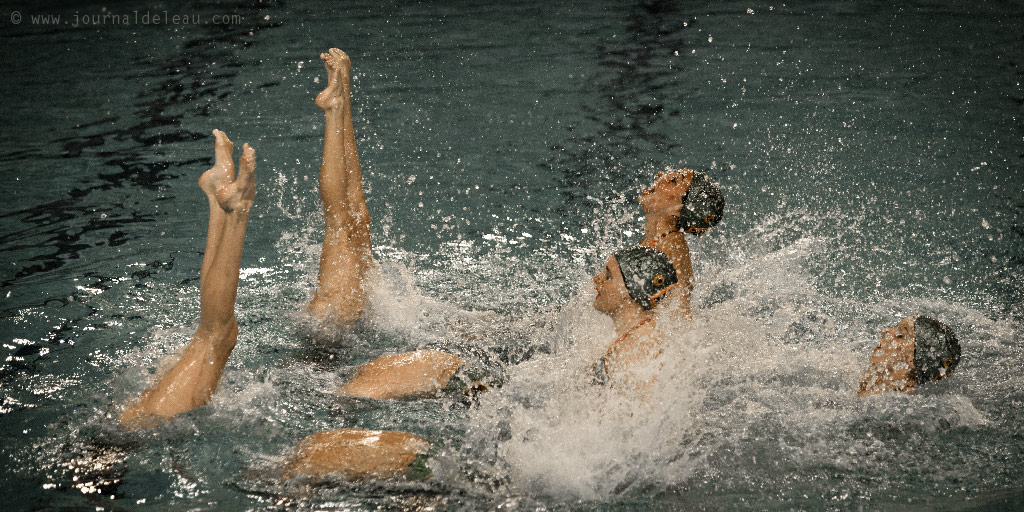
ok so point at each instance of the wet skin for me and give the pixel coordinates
(193, 379)
(610, 287)
(891, 365)
(634, 326)
(662, 204)
(665, 195)
(346, 258)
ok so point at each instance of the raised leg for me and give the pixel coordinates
(191, 381)
(223, 166)
(340, 296)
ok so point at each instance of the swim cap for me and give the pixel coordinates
(648, 274)
(936, 349)
(703, 205)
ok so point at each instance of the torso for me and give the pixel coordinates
(635, 346)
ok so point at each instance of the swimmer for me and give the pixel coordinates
(678, 202)
(340, 296)
(632, 283)
(917, 351)
(190, 382)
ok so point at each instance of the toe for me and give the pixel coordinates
(223, 147)
(247, 164)
(339, 56)
(248, 157)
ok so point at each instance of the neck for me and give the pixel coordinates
(659, 224)
(628, 317)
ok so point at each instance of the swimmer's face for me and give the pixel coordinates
(666, 193)
(892, 361)
(611, 289)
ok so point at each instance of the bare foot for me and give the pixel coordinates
(338, 66)
(233, 195)
(223, 169)
(237, 196)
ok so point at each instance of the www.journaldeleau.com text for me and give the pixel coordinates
(133, 18)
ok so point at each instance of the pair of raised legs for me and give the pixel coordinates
(190, 382)
(340, 296)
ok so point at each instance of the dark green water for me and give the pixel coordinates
(872, 158)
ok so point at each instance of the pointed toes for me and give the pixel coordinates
(222, 143)
(247, 167)
(248, 158)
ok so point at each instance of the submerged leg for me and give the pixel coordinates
(340, 296)
(191, 381)
(411, 374)
(358, 454)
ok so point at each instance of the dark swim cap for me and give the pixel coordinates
(647, 272)
(936, 349)
(703, 205)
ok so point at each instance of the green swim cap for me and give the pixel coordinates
(647, 272)
(703, 205)
(936, 349)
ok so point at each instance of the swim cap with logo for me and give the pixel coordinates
(648, 274)
(703, 205)
(936, 349)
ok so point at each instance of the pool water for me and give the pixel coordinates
(872, 158)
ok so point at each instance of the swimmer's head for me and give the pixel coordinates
(665, 196)
(703, 205)
(647, 273)
(916, 351)
(610, 287)
(936, 350)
